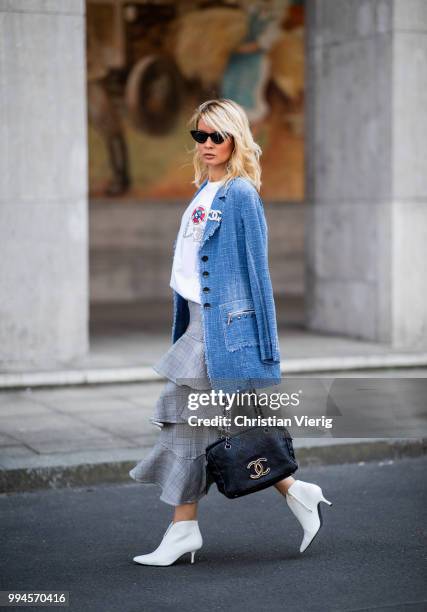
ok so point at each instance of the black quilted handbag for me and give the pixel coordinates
(250, 460)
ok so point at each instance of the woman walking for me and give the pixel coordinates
(224, 332)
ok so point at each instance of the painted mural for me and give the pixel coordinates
(150, 63)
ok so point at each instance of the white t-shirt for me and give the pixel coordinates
(185, 276)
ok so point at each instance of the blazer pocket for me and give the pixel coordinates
(239, 324)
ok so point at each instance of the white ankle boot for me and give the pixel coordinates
(179, 538)
(304, 499)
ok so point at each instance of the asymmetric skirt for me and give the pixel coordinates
(177, 460)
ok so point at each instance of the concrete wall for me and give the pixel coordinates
(366, 188)
(409, 163)
(43, 184)
(366, 157)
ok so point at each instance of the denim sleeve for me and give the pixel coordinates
(256, 242)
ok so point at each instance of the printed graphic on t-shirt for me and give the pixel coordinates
(196, 224)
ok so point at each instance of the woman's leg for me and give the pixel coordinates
(283, 485)
(185, 512)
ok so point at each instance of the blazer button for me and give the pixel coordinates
(205, 273)
(206, 289)
(205, 258)
(206, 305)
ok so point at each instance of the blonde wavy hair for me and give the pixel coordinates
(227, 117)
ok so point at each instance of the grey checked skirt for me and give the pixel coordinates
(177, 460)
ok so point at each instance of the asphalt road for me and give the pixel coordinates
(369, 555)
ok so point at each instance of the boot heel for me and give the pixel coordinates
(180, 537)
(303, 498)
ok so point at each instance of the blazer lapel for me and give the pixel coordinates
(215, 213)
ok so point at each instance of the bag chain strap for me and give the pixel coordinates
(226, 428)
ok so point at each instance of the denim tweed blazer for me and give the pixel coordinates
(239, 316)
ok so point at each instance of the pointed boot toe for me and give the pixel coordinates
(179, 538)
(303, 499)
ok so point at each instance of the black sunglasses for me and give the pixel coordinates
(201, 137)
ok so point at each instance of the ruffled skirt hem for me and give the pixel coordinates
(182, 480)
(177, 462)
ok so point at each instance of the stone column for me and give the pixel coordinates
(366, 169)
(43, 183)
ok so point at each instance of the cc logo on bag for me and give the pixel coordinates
(258, 467)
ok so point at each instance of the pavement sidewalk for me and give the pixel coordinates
(72, 436)
(124, 351)
(87, 421)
